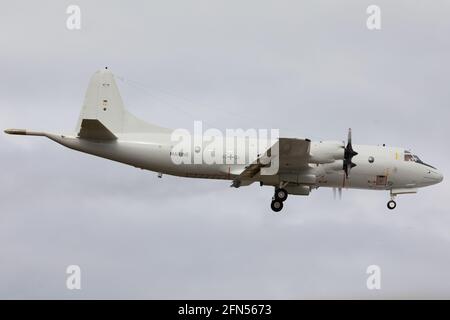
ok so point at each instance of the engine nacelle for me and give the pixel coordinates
(300, 190)
(326, 152)
(335, 166)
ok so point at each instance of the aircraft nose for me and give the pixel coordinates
(432, 176)
(439, 177)
(436, 176)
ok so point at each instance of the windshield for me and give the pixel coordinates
(412, 157)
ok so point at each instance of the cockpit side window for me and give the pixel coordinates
(409, 156)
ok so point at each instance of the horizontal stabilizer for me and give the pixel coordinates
(21, 132)
(95, 130)
(24, 132)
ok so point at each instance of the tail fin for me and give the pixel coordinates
(104, 104)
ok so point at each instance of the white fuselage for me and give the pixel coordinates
(386, 170)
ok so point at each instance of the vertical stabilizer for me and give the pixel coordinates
(104, 103)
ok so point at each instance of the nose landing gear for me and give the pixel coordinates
(391, 204)
(277, 200)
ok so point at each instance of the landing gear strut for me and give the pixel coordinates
(279, 197)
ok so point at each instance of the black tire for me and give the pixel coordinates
(391, 205)
(281, 194)
(276, 205)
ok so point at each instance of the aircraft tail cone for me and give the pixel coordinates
(16, 131)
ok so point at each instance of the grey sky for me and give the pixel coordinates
(311, 69)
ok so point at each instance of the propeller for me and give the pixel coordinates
(349, 153)
(340, 193)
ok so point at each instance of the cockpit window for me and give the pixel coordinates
(412, 157)
(409, 157)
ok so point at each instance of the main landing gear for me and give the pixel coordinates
(277, 200)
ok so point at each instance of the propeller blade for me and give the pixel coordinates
(349, 153)
(340, 193)
(346, 169)
(343, 181)
(334, 193)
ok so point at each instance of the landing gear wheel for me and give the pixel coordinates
(281, 194)
(276, 205)
(391, 204)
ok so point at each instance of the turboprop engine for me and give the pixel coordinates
(329, 152)
(326, 152)
(335, 166)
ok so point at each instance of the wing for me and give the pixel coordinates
(294, 153)
(289, 154)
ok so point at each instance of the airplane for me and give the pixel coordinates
(106, 129)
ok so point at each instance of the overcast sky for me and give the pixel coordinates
(309, 68)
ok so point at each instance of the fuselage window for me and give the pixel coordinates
(371, 159)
